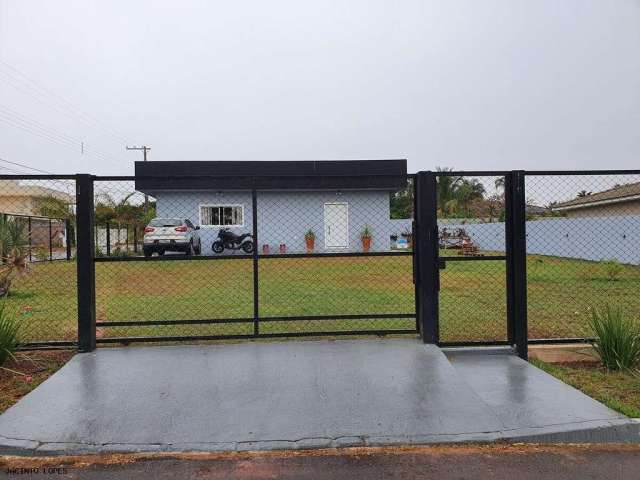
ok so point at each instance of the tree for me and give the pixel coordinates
(108, 209)
(402, 202)
(455, 193)
(583, 193)
(53, 207)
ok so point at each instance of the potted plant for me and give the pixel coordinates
(366, 239)
(310, 240)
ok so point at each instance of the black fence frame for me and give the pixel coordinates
(426, 266)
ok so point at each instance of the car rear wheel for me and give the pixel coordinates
(198, 250)
(189, 251)
(148, 252)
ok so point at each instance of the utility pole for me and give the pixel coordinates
(144, 149)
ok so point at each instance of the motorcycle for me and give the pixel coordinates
(231, 241)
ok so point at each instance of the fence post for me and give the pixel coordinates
(517, 263)
(426, 251)
(256, 304)
(508, 233)
(68, 236)
(85, 251)
(108, 239)
(30, 241)
(135, 238)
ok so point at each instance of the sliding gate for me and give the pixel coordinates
(333, 261)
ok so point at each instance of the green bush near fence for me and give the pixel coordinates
(472, 300)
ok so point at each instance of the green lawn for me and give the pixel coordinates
(472, 301)
(618, 390)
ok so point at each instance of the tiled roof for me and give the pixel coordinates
(612, 195)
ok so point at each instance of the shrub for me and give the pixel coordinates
(8, 336)
(613, 268)
(617, 338)
(13, 252)
(41, 253)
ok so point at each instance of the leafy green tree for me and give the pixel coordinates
(402, 202)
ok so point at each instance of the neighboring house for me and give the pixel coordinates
(20, 199)
(335, 199)
(620, 200)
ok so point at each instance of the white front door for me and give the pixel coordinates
(336, 225)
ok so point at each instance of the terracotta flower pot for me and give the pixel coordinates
(311, 243)
(265, 249)
(366, 244)
(283, 248)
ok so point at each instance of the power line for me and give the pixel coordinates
(34, 127)
(38, 91)
(23, 166)
(12, 170)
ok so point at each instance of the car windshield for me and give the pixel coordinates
(165, 222)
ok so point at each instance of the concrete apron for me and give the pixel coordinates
(292, 395)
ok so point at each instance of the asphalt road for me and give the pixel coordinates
(518, 462)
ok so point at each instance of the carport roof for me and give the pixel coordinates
(271, 175)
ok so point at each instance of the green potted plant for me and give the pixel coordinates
(366, 239)
(310, 240)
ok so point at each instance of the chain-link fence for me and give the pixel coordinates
(583, 237)
(37, 245)
(227, 263)
(471, 237)
(218, 262)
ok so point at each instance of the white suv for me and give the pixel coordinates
(171, 235)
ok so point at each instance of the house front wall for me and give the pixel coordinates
(18, 205)
(284, 217)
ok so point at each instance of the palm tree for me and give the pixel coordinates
(583, 193)
(447, 185)
(455, 193)
(499, 183)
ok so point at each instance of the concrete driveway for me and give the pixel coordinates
(293, 395)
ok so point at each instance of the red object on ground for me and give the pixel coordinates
(283, 248)
(265, 249)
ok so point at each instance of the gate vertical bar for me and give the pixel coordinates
(84, 263)
(519, 264)
(427, 256)
(508, 227)
(256, 304)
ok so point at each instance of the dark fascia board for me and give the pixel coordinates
(271, 175)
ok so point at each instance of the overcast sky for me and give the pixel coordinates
(491, 84)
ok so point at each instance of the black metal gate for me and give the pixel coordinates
(285, 287)
(471, 295)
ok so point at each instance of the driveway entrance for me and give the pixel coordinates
(298, 395)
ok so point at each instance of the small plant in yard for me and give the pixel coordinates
(617, 338)
(613, 268)
(41, 253)
(366, 238)
(310, 240)
(8, 336)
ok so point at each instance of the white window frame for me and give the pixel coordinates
(324, 220)
(218, 205)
